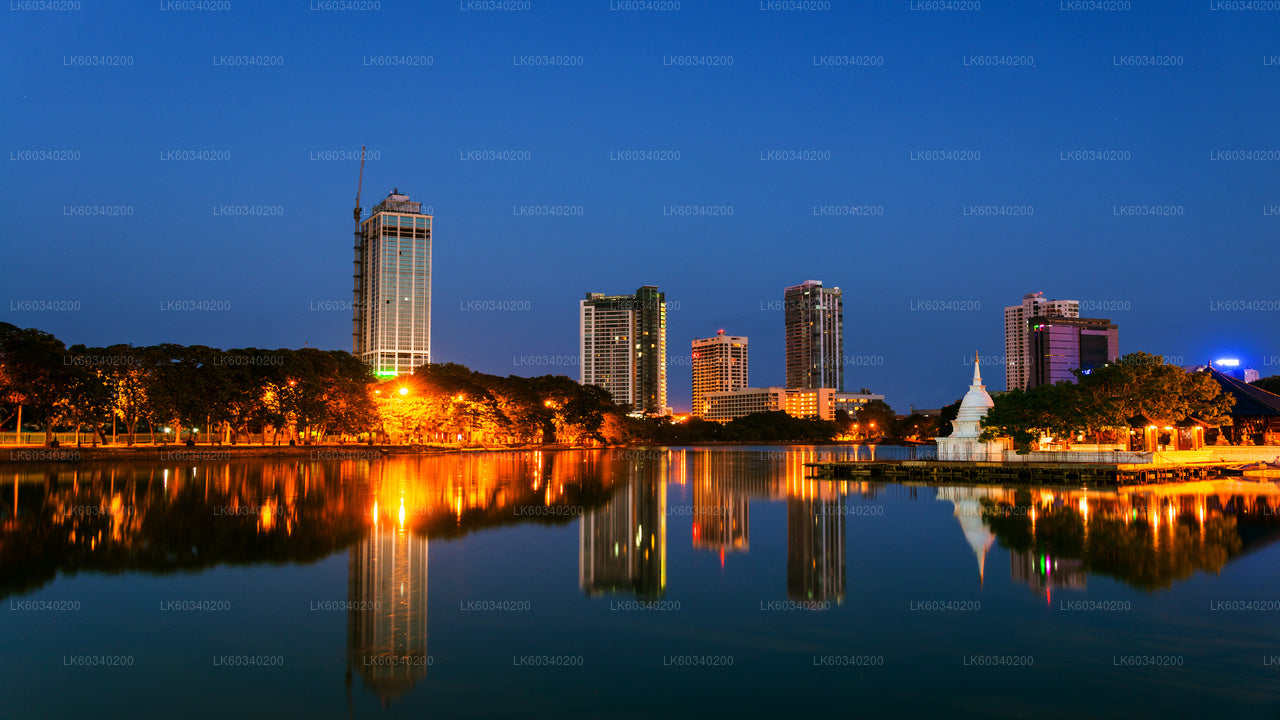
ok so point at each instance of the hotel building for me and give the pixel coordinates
(719, 365)
(821, 403)
(391, 322)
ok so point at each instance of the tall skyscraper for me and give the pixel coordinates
(391, 328)
(1060, 345)
(815, 336)
(624, 347)
(719, 365)
(1017, 341)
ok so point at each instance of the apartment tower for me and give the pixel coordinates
(623, 347)
(815, 336)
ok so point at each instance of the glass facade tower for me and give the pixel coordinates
(392, 319)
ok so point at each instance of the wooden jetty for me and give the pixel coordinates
(997, 473)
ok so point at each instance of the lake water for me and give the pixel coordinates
(682, 582)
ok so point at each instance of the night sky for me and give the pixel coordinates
(1135, 148)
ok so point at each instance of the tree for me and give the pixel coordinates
(875, 418)
(1270, 384)
(1106, 399)
(33, 375)
(1027, 415)
(85, 397)
(948, 415)
(1141, 384)
(915, 426)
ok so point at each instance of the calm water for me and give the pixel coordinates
(700, 582)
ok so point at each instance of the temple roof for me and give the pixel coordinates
(1251, 400)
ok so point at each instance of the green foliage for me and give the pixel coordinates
(1107, 398)
(1270, 384)
(878, 412)
(946, 417)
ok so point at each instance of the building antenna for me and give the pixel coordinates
(358, 274)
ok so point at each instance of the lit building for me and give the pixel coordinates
(387, 615)
(623, 347)
(815, 336)
(1062, 344)
(821, 403)
(391, 328)
(719, 365)
(815, 549)
(1017, 342)
(733, 404)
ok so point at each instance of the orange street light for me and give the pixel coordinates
(404, 391)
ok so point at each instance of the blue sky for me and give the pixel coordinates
(102, 103)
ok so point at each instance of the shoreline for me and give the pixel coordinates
(24, 454)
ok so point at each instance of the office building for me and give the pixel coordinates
(719, 365)
(814, 318)
(391, 322)
(1060, 345)
(1017, 342)
(624, 347)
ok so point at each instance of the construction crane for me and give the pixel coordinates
(358, 277)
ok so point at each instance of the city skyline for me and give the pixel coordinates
(261, 459)
(877, 165)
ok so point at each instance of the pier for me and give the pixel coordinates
(998, 473)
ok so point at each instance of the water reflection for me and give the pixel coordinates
(629, 512)
(117, 518)
(623, 545)
(1147, 537)
(123, 517)
(387, 602)
(968, 510)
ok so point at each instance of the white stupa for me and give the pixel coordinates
(963, 443)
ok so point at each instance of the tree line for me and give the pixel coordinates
(195, 393)
(1102, 402)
